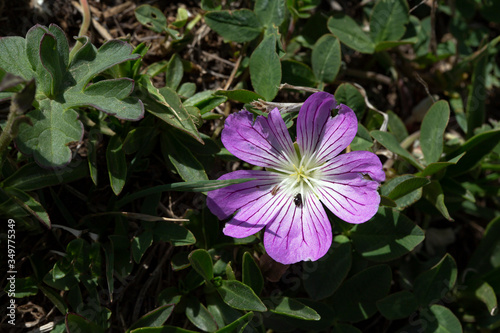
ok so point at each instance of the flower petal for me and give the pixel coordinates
(320, 134)
(265, 142)
(225, 201)
(344, 191)
(339, 133)
(299, 232)
(363, 162)
(312, 119)
(256, 215)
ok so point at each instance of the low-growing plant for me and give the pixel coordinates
(159, 195)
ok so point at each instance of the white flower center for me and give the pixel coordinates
(300, 176)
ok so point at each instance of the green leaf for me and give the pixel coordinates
(169, 296)
(140, 244)
(270, 12)
(362, 140)
(297, 73)
(239, 26)
(79, 324)
(210, 4)
(186, 164)
(30, 205)
(187, 89)
(385, 201)
(397, 127)
(240, 95)
(251, 275)
(53, 128)
(241, 323)
(284, 323)
(441, 320)
(151, 17)
(117, 165)
(326, 58)
(199, 316)
(434, 194)
(156, 104)
(432, 131)
(154, 318)
(221, 312)
(350, 33)
(240, 296)
(398, 305)
(390, 142)
(407, 186)
(13, 58)
(432, 285)
(110, 96)
(265, 68)
(137, 139)
(197, 186)
(92, 144)
(434, 168)
(174, 102)
(206, 100)
(292, 308)
(476, 112)
(484, 292)
(202, 263)
(55, 298)
(53, 62)
(173, 233)
(320, 283)
(475, 149)
(62, 86)
(347, 94)
(78, 254)
(24, 287)
(349, 304)
(388, 20)
(174, 73)
(406, 200)
(389, 235)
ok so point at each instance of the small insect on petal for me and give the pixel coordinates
(297, 200)
(275, 190)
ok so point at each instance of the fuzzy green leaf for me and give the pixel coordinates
(265, 68)
(202, 262)
(62, 85)
(388, 236)
(388, 20)
(270, 12)
(350, 33)
(239, 26)
(433, 284)
(432, 131)
(117, 164)
(326, 58)
(240, 296)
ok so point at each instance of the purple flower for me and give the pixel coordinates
(300, 178)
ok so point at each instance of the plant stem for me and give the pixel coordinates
(84, 28)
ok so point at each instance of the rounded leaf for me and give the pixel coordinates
(389, 235)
